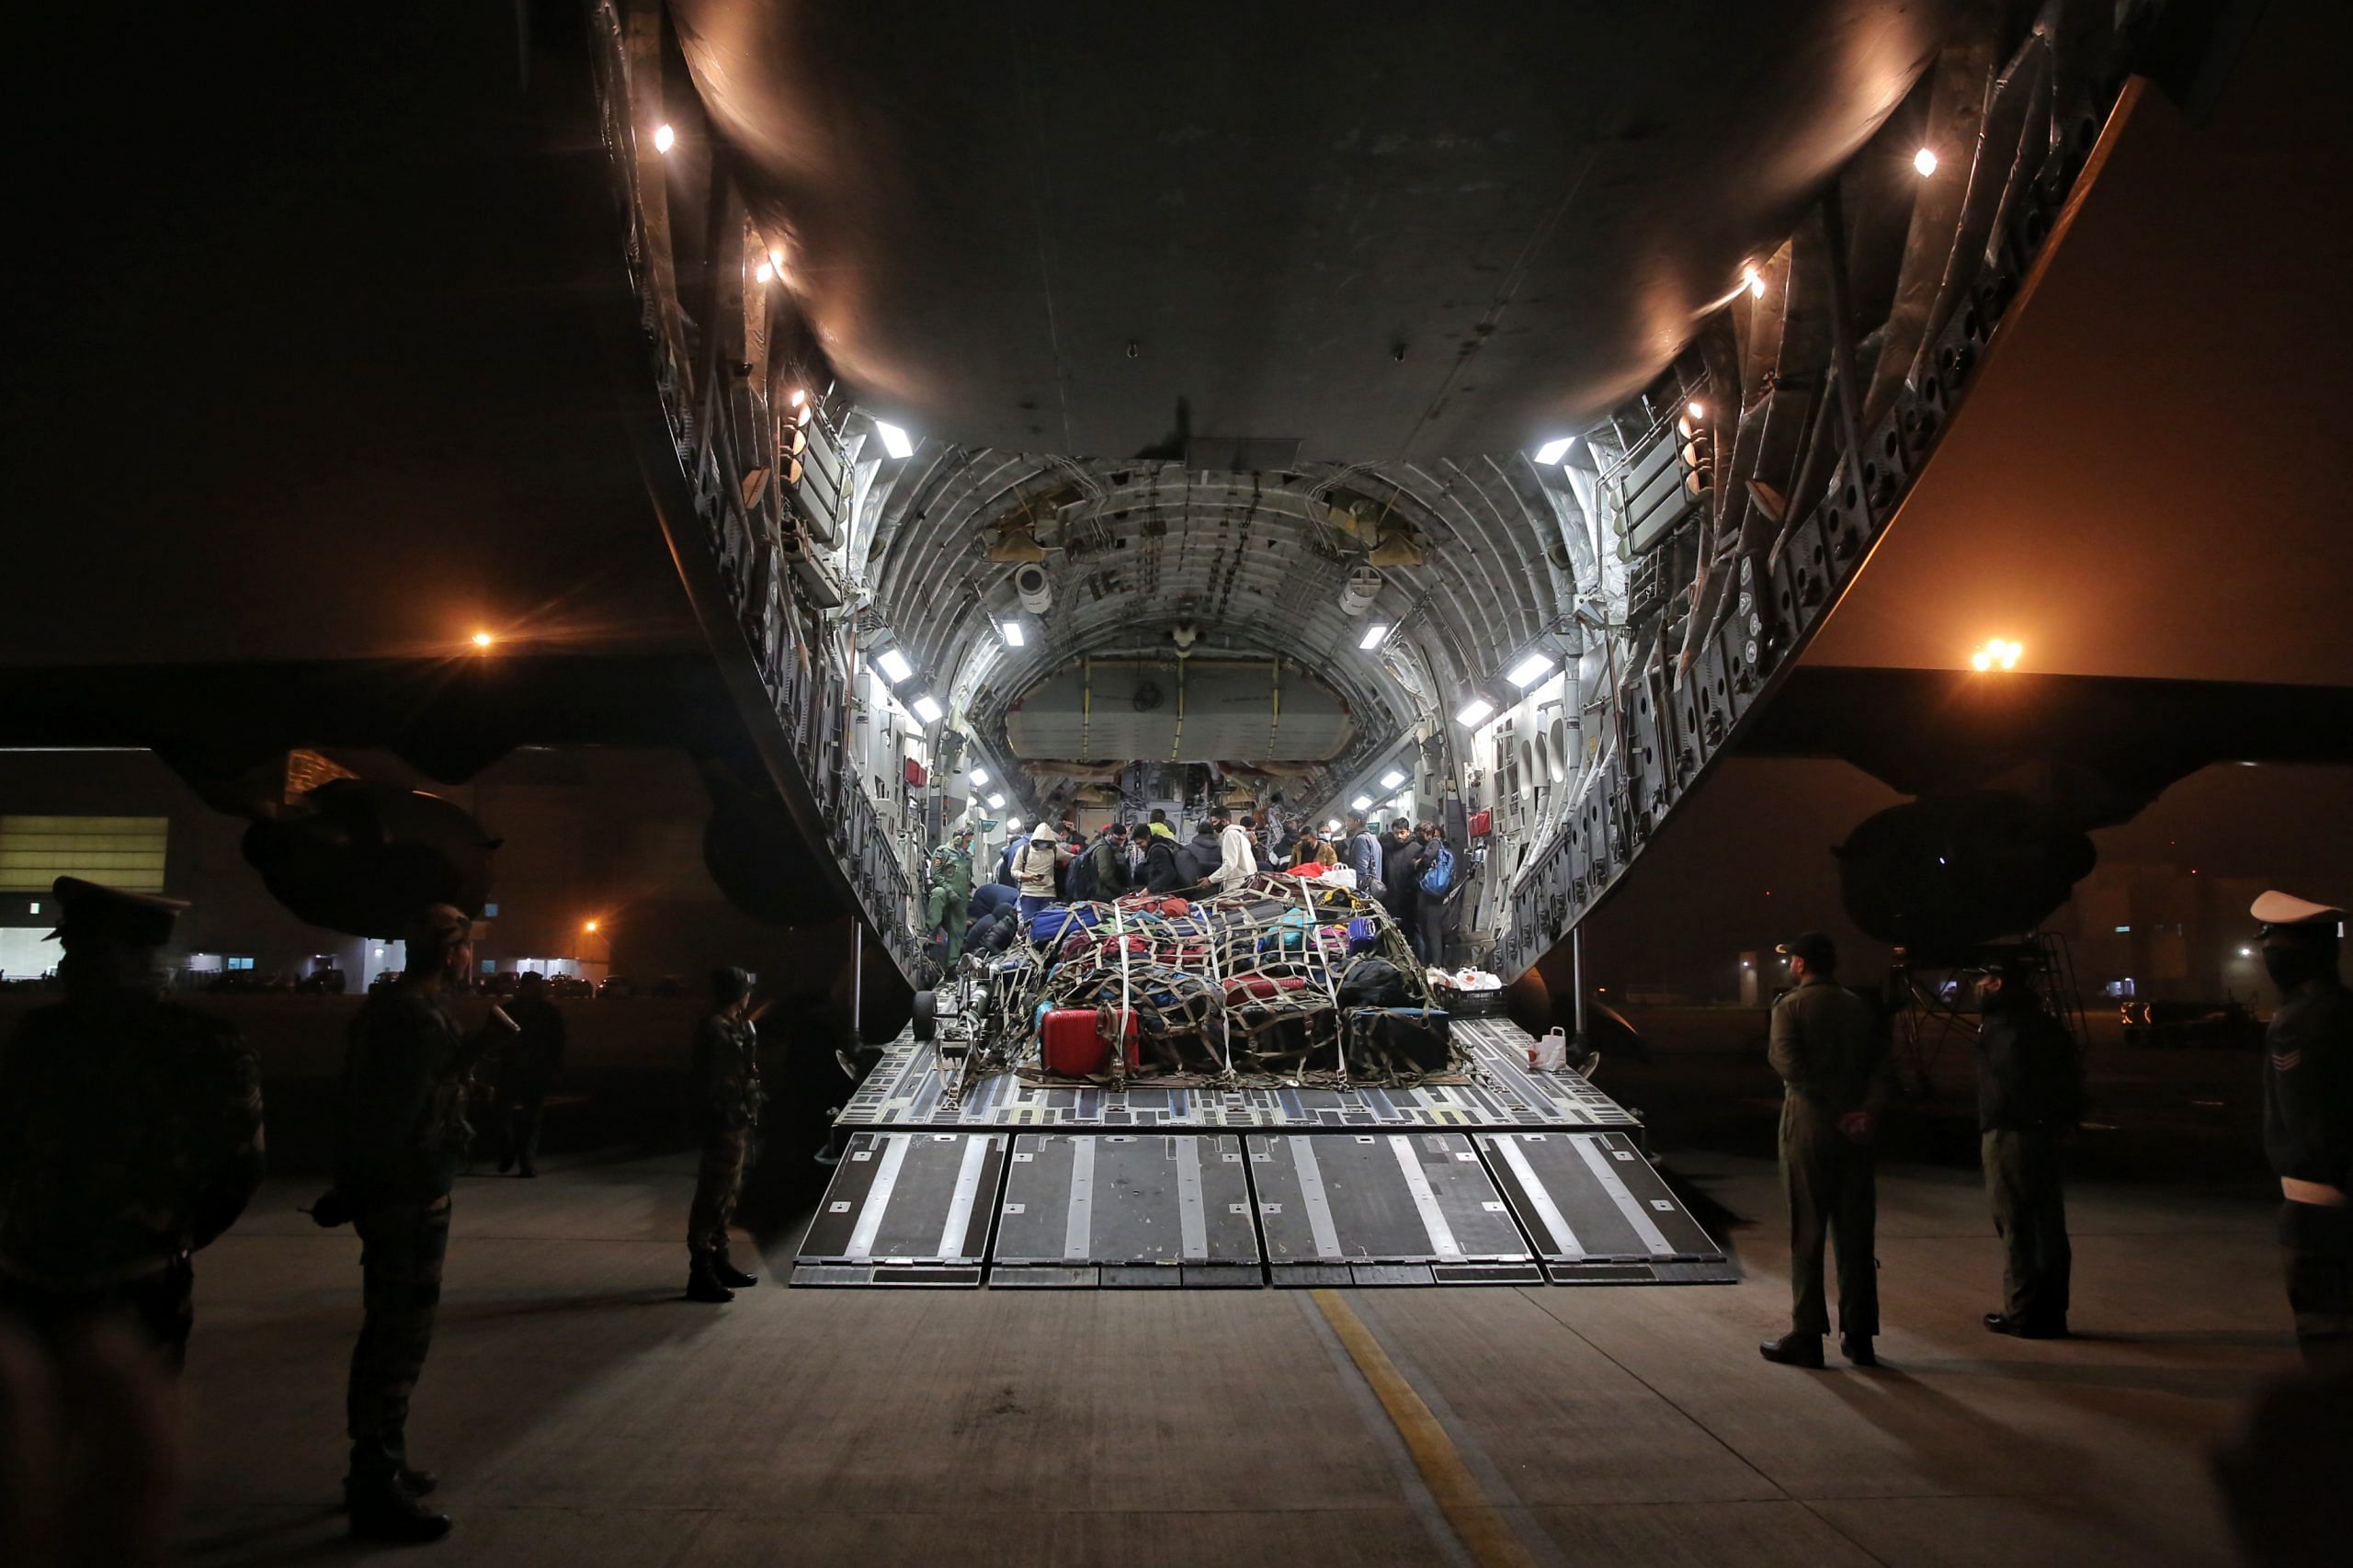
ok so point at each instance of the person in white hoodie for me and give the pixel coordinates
(1240, 860)
(1034, 866)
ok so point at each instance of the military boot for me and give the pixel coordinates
(1794, 1349)
(703, 1283)
(382, 1508)
(723, 1266)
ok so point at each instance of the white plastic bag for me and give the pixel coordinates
(1551, 1053)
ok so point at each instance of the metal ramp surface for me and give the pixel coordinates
(906, 1209)
(1512, 1176)
(1384, 1209)
(1598, 1213)
(1122, 1209)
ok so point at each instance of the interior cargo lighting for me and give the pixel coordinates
(1361, 803)
(1391, 780)
(799, 395)
(1698, 410)
(1474, 713)
(894, 440)
(764, 273)
(1755, 281)
(1011, 631)
(995, 802)
(980, 776)
(928, 709)
(1530, 670)
(664, 138)
(894, 666)
(1374, 636)
(1332, 827)
(1556, 448)
(1925, 161)
(1011, 824)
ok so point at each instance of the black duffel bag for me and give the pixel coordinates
(1411, 1039)
(1372, 982)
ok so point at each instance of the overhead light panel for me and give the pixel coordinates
(1374, 636)
(995, 802)
(980, 776)
(1474, 713)
(894, 666)
(1925, 160)
(664, 138)
(1011, 631)
(762, 273)
(1391, 780)
(1012, 822)
(1756, 282)
(928, 709)
(894, 440)
(1530, 670)
(1361, 803)
(1556, 448)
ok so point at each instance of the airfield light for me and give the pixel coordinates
(894, 440)
(664, 138)
(484, 639)
(589, 927)
(1925, 161)
(1998, 654)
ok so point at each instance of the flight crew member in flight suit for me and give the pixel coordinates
(1826, 1045)
(131, 1131)
(2308, 1120)
(2029, 1095)
(400, 1131)
(726, 1104)
(952, 891)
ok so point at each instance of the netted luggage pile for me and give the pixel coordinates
(1282, 980)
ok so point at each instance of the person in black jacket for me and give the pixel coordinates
(399, 1130)
(1401, 871)
(2308, 1120)
(2029, 1094)
(1160, 872)
(1200, 858)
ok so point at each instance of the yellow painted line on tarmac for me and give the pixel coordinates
(1476, 1518)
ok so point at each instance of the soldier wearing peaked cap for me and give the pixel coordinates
(1826, 1044)
(131, 1129)
(2308, 1118)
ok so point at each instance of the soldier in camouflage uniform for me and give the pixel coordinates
(401, 1131)
(951, 892)
(725, 1104)
(131, 1131)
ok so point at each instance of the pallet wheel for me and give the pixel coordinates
(925, 1013)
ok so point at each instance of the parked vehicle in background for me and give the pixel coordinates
(386, 979)
(505, 982)
(328, 982)
(569, 985)
(618, 988)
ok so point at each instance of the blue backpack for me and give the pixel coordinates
(1440, 876)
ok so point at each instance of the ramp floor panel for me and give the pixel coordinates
(1597, 1210)
(1124, 1210)
(906, 1207)
(1403, 1203)
(905, 1090)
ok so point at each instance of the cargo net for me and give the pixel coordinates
(1277, 981)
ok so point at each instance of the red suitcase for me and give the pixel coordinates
(1075, 1046)
(1243, 987)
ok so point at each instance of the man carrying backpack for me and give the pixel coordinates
(1362, 855)
(1438, 887)
(1108, 862)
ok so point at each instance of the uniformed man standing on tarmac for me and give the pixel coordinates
(1826, 1045)
(725, 1102)
(951, 892)
(2308, 1120)
(2029, 1094)
(400, 1132)
(131, 1131)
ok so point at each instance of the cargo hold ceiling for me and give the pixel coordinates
(1246, 236)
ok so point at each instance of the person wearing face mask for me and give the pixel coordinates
(2308, 1118)
(2029, 1096)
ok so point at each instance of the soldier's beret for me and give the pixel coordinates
(86, 909)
